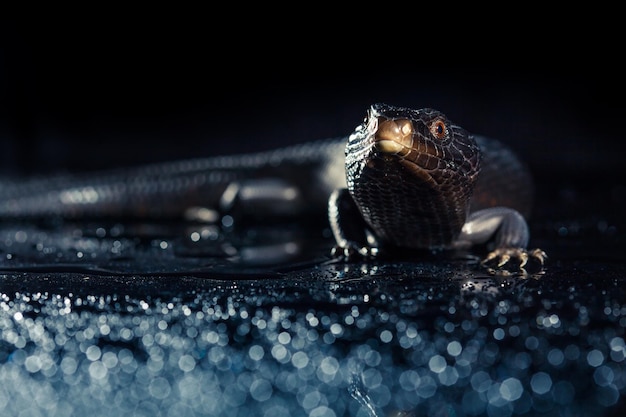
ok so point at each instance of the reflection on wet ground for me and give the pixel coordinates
(195, 320)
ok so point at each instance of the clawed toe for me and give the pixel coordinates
(514, 258)
(350, 253)
(538, 255)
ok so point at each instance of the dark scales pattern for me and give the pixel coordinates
(404, 209)
(504, 180)
(166, 190)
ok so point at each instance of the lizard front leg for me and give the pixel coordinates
(507, 229)
(352, 236)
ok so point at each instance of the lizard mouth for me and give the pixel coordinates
(398, 139)
(394, 136)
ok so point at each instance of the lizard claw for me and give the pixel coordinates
(352, 252)
(539, 255)
(504, 258)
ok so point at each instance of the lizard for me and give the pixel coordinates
(416, 180)
(404, 179)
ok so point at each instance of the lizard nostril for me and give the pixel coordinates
(394, 135)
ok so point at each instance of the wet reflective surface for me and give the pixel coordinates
(132, 319)
(162, 319)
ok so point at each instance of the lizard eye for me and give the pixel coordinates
(438, 129)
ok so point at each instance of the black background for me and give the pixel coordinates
(91, 96)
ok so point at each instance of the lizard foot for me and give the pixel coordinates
(514, 259)
(352, 252)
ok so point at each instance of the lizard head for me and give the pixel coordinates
(421, 144)
(411, 174)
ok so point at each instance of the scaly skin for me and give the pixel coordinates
(417, 181)
(296, 180)
(408, 179)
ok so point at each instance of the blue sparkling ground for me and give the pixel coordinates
(333, 341)
(94, 321)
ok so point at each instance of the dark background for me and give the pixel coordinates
(92, 96)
